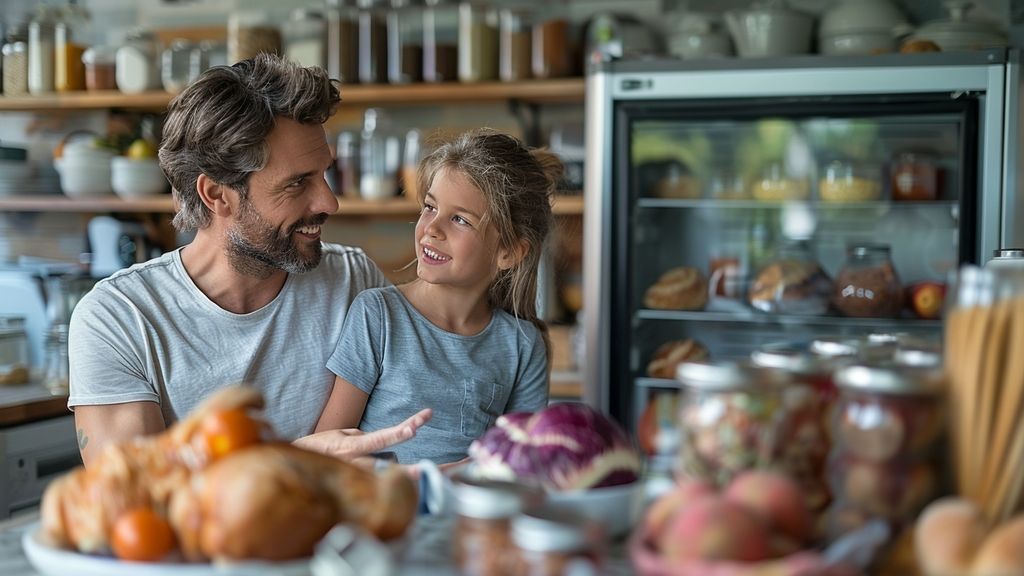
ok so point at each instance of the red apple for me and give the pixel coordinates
(926, 299)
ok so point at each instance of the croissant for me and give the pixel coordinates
(270, 500)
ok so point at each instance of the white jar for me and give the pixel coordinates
(40, 56)
(137, 64)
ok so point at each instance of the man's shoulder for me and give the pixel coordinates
(153, 270)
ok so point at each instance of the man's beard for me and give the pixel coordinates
(256, 248)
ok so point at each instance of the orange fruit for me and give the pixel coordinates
(142, 535)
(228, 430)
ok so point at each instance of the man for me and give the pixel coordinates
(256, 297)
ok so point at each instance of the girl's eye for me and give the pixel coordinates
(428, 208)
(460, 220)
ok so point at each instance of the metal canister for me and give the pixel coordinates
(550, 542)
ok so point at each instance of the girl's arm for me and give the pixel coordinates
(344, 408)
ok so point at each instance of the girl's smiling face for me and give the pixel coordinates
(454, 243)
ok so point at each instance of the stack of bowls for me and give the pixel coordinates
(861, 27)
(84, 169)
(137, 177)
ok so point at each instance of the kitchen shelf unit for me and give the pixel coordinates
(562, 90)
(751, 316)
(562, 206)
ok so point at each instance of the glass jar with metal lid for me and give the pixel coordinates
(14, 362)
(405, 41)
(868, 286)
(441, 41)
(803, 440)
(482, 539)
(886, 428)
(730, 416)
(551, 541)
(373, 42)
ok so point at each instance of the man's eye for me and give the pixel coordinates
(296, 183)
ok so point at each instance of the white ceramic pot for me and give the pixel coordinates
(698, 36)
(769, 30)
(958, 33)
(133, 178)
(82, 178)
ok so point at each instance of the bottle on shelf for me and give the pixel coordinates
(137, 65)
(72, 34)
(478, 42)
(379, 157)
(304, 37)
(405, 42)
(342, 41)
(251, 32)
(440, 41)
(15, 63)
(100, 62)
(373, 44)
(514, 52)
(552, 52)
(41, 52)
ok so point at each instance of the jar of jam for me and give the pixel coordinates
(867, 286)
(551, 542)
(803, 446)
(915, 177)
(886, 429)
(731, 415)
(482, 540)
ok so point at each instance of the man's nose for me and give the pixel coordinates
(325, 201)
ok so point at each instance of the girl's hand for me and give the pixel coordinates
(352, 443)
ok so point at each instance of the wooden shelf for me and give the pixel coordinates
(564, 205)
(550, 91)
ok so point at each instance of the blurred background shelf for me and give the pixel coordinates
(750, 316)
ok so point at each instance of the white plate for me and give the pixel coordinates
(51, 561)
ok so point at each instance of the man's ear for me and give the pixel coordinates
(220, 199)
(509, 258)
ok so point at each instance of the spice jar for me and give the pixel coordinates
(803, 446)
(730, 417)
(342, 41)
(14, 362)
(100, 73)
(15, 68)
(405, 42)
(915, 176)
(551, 542)
(251, 32)
(867, 286)
(482, 540)
(514, 61)
(552, 54)
(886, 428)
(304, 36)
(440, 41)
(478, 43)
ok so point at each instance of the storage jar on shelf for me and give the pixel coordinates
(100, 68)
(14, 360)
(405, 42)
(342, 40)
(373, 43)
(41, 53)
(304, 37)
(15, 68)
(69, 71)
(251, 32)
(441, 41)
(867, 286)
(514, 51)
(478, 42)
(552, 51)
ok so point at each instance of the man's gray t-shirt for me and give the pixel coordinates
(149, 334)
(405, 363)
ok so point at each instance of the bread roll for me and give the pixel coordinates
(948, 534)
(670, 354)
(682, 288)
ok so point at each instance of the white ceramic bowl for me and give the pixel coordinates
(133, 178)
(618, 507)
(864, 42)
(80, 179)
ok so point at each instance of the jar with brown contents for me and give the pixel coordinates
(868, 286)
(550, 542)
(482, 541)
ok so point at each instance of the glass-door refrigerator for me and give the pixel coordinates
(733, 203)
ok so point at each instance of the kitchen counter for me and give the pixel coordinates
(22, 403)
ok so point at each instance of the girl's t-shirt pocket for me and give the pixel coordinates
(482, 402)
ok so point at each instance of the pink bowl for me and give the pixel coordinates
(648, 562)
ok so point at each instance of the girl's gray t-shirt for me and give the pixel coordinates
(148, 333)
(405, 363)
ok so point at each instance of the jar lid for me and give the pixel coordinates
(492, 499)
(1008, 253)
(891, 378)
(789, 357)
(728, 375)
(15, 48)
(99, 55)
(550, 529)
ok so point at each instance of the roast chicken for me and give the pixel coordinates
(268, 500)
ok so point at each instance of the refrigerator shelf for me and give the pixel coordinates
(657, 383)
(754, 317)
(875, 206)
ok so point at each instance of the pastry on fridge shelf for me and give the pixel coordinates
(791, 287)
(670, 354)
(682, 288)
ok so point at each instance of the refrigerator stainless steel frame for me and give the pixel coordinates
(991, 78)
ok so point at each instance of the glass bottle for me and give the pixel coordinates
(482, 540)
(175, 65)
(41, 53)
(867, 286)
(56, 373)
(440, 41)
(137, 63)
(514, 45)
(379, 157)
(100, 73)
(886, 429)
(405, 42)
(791, 282)
(304, 35)
(69, 71)
(342, 41)
(552, 542)
(347, 165)
(373, 43)
(412, 153)
(478, 43)
(15, 64)
(251, 32)
(14, 360)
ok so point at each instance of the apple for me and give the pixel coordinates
(926, 299)
(141, 149)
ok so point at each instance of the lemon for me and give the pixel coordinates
(141, 149)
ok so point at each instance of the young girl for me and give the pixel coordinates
(464, 337)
